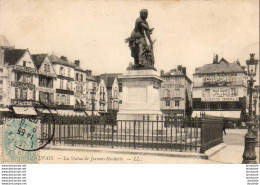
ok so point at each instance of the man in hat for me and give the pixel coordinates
(137, 41)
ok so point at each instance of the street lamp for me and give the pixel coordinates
(92, 126)
(93, 92)
(249, 156)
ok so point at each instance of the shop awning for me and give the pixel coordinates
(4, 110)
(46, 111)
(79, 113)
(223, 114)
(25, 110)
(89, 113)
(65, 112)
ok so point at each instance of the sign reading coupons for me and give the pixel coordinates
(219, 78)
(220, 99)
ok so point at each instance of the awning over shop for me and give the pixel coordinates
(46, 111)
(4, 110)
(65, 112)
(79, 113)
(24, 110)
(223, 114)
(89, 113)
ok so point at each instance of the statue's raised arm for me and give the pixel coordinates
(140, 51)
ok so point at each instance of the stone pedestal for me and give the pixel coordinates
(141, 95)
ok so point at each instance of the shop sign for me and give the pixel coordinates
(220, 92)
(219, 78)
(172, 86)
(21, 85)
(26, 69)
(222, 99)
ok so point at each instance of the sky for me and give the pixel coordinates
(187, 33)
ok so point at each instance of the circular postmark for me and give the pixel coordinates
(30, 127)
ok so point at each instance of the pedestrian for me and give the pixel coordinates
(224, 127)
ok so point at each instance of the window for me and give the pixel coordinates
(167, 103)
(177, 80)
(69, 72)
(16, 93)
(34, 95)
(68, 100)
(77, 76)
(177, 103)
(167, 92)
(24, 63)
(206, 92)
(79, 89)
(63, 100)
(177, 92)
(233, 91)
(219, 106)
(47, 67)
(207, 106)
(19, 77)
(57, 99)
(1, 81)
(61, 84)
(61, 70)
(1, 70)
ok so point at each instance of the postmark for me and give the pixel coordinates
(24, 132)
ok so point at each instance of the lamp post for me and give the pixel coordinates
(249, 156)
(92, 126)
(255, 97)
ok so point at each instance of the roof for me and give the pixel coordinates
(11, 56)
(79, 69)
(56, 60)
(91, 78)
(38, 59)
(109, 79)
(176, 73)
(221, 67)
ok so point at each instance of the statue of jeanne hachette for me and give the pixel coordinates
(140, 50)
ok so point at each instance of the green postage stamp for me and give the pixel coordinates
(20, 140)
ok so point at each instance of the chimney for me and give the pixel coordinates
(237, 62)
(89, 72)
(215, 59)
(64, 58)
(179, 67)
(162, 72)
(77, 62)
(184, 70)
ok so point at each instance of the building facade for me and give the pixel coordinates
(19, 77)
(80, 87)
(220, 89)
(176, 92)
(101, 96)
(65, 82)
(112, 87)
(46, 86)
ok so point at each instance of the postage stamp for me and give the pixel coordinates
(20, 137)
(23, 133)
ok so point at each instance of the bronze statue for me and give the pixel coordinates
(140, 51)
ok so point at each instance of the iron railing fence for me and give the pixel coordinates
(164, 133)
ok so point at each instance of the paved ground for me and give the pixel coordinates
(235, 137)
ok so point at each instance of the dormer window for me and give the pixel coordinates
(24, 63)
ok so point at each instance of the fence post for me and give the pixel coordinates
(134, 133)
(112, 133)
(202, 135)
